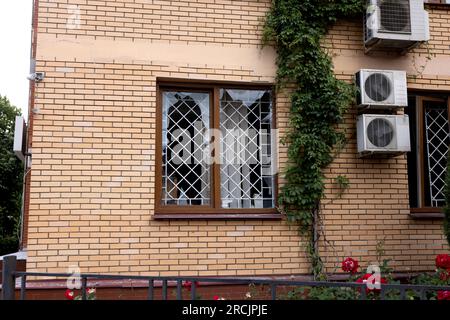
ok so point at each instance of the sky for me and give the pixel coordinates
(15, 35)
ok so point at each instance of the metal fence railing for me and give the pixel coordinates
(10, 275)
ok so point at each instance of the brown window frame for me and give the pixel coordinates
(212, 211)
(422, 211)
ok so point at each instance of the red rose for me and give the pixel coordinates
(188, 285)
(443, 295)
(365, 279)
(69, 294)
(350, 265)
(443, 261)
(216, 297)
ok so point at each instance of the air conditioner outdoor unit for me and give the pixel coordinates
(382, 88)
(20, 138)
(383, 134)
(397, 24)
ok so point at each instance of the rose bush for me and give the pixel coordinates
(188, 285)
(350, 265)
(368, 279)
(90, 294)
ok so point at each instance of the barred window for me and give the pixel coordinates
(217, 150)
(427, 161)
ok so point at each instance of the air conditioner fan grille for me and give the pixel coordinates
(395, 16)
(380, 132)
(378, 87)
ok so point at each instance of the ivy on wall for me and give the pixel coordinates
(318, 103)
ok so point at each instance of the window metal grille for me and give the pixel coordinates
(186, 177)
(437, 142)
(247, 180)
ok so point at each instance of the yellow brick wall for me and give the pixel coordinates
(92, 183)
(92, 192)
(200, 21)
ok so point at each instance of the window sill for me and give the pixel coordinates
(217, 216)
(426, 213)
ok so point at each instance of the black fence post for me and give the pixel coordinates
(9, 279)
(83, 288)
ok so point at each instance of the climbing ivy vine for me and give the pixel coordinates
(318, 103)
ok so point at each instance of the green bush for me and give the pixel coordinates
(11, 175)
(439, 278)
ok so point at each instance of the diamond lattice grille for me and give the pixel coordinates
(186, 177)
(437, 140)
(246, 149)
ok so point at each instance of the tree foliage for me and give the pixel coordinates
(296, 29)
(11, 172)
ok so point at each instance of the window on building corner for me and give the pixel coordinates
(217, 147)
(429, 131)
